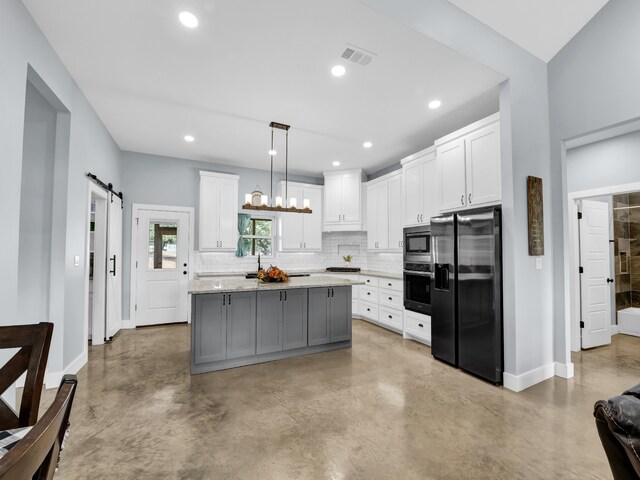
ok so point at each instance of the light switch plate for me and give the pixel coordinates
(76, 261)
(538, 263)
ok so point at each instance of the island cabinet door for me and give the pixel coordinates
(270, 321)
(319, 328)
(241, 324)
(209, 328)
(295, 319)
(340, 314)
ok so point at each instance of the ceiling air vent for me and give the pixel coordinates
(357, 55)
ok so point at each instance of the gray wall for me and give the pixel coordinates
(36, 202)
(593, 84)
(528, 293)
(88, 147)
(157, 180)
(615, 161)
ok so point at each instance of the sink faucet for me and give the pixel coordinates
(259, 267)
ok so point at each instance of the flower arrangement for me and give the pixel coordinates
(347, 260)
(272, 274)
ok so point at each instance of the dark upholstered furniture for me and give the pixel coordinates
(35, 456)
(33, 342)
(618, 422)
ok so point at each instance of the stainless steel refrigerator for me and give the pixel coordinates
(466, 291)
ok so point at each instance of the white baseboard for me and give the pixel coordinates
(517, 383)
(127, 324)
(53, 379)
(564, 370)
(615, 329)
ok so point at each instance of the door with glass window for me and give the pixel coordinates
(162, 267)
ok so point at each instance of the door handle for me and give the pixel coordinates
(332, 292)
(305, 244)
(469, 199)
(224, 299)
(285, 295)
(609, 280)
(418, 218)
(281, 295)
(462, 199)
(113, 259)
(229, 299)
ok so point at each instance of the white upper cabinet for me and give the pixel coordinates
(395, 212)
(453, 188)
(218, 211)
(469, 165)
(301, 231)
(384, 213)
(420, 198)
(343, 201)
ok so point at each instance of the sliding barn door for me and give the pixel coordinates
(114, 265)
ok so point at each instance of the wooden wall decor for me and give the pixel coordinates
(536, 216)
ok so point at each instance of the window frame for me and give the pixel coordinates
(254, 237)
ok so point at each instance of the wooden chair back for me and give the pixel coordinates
(36, 455)
(34, 342)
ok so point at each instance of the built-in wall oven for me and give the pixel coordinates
(417, 269)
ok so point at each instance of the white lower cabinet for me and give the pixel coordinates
(381, 302)
(417, 327)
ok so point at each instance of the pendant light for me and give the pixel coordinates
(266, 203)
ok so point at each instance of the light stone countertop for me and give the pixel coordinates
(246, 285)
(370, 273)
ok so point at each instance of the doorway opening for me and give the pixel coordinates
(603, 178)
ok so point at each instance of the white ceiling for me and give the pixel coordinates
(542, 27)
(152, 81)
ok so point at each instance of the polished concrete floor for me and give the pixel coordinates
(383, 409)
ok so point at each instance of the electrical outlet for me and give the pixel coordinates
(76, 261)
(538, 263)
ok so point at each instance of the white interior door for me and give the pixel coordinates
(595, 279)
(114, 265)
(162, 266)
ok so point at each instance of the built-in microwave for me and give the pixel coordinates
(417, 241)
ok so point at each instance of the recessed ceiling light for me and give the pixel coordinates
(272, 152)
(189, 138)
(338, 71)
(188, 19)
(336, 163)
(367, 144)
(433, 104)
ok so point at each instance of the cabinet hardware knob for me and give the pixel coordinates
(390, 316)
(609, 280)
(462, 199)
(185, 265)
(368, 293)
(420, 325)
(389, 284)
(469, 198)
(368, 309)
(390, 298)
(368, 281)
(184, 273)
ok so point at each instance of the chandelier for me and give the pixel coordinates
(256, 200)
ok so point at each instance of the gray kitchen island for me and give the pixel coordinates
(241, 322)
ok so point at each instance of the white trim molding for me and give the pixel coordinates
(615, 329)
(564, 370)
(518, 383)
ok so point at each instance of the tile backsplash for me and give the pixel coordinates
(335, 245)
